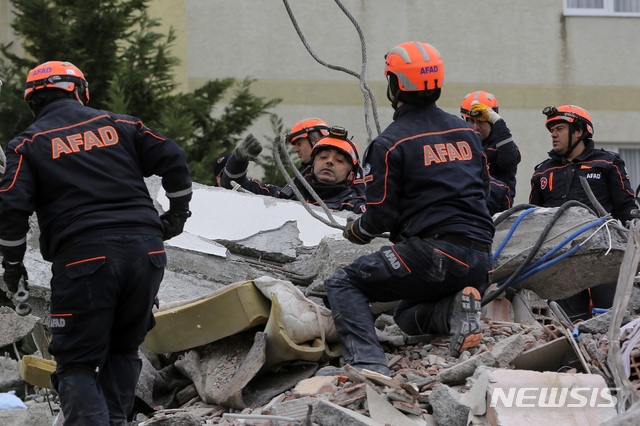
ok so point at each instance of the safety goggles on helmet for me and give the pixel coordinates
(484, 98)
(337, 139)
(568, 113)
(58, 75)
(418, 66)
(303, 127)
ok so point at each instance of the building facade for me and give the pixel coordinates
(529, 54)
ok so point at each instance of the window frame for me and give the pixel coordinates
(605, 11)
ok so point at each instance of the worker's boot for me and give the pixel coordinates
(464, 321)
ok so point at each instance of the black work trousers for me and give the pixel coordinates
(102, 295)
(423, 273)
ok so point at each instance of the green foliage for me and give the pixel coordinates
(272, 173)
(129, 67)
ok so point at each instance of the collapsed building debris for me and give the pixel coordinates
(242, 328)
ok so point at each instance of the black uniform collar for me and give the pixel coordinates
(406, 108)
(58, 103)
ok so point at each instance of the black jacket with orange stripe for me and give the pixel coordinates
(556, 181)
(503, 155)
(499, 199)
(335, 197)
(81, 170)
(426, 174)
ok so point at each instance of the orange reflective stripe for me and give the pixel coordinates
(86, 260)
(400, 259)
(452, 258)
(551, 181)
(156, 252)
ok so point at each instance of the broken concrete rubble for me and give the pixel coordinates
(226, 375)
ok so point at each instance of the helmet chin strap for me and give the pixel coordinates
(393, 98)
(580, 139)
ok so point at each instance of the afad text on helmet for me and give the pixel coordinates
(43, 70)
(429, 70)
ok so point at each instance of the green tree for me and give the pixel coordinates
(128, 64)
(272, 173)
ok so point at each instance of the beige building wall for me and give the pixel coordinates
(525, 52)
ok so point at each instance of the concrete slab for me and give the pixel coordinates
(382, 411)
(571, 275)
(518, 397)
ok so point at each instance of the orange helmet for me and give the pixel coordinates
(303, 127)
(418, 66)
(56, 75)
(338, 139)
(569, 113)
(484, 98)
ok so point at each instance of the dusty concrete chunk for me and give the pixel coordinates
(628, 418)
(600, 323)
(315, 386)
(458, 373)
(14, 327)
(509, 348)
(384, 412)
(517, 396)
(328, 413)
(570, 275)
(447, 408)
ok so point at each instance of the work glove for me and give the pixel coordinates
(353, 233)
(483, 113)
(13, 272)
(249, 149)
(173, 223)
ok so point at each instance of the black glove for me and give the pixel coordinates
(13, 272)
(173, 223)
(249, 149)
(353, 233)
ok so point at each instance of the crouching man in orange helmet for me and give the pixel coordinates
(427, 186)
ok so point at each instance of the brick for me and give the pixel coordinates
(316, 385)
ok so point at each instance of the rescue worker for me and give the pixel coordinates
(2, 158)
(218, 167)
(480, 110)
(334, 165)
(303, 137)
(427, 186)
(499, 199)
(557, 180)
(82, 171)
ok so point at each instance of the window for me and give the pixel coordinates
(602, 8)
